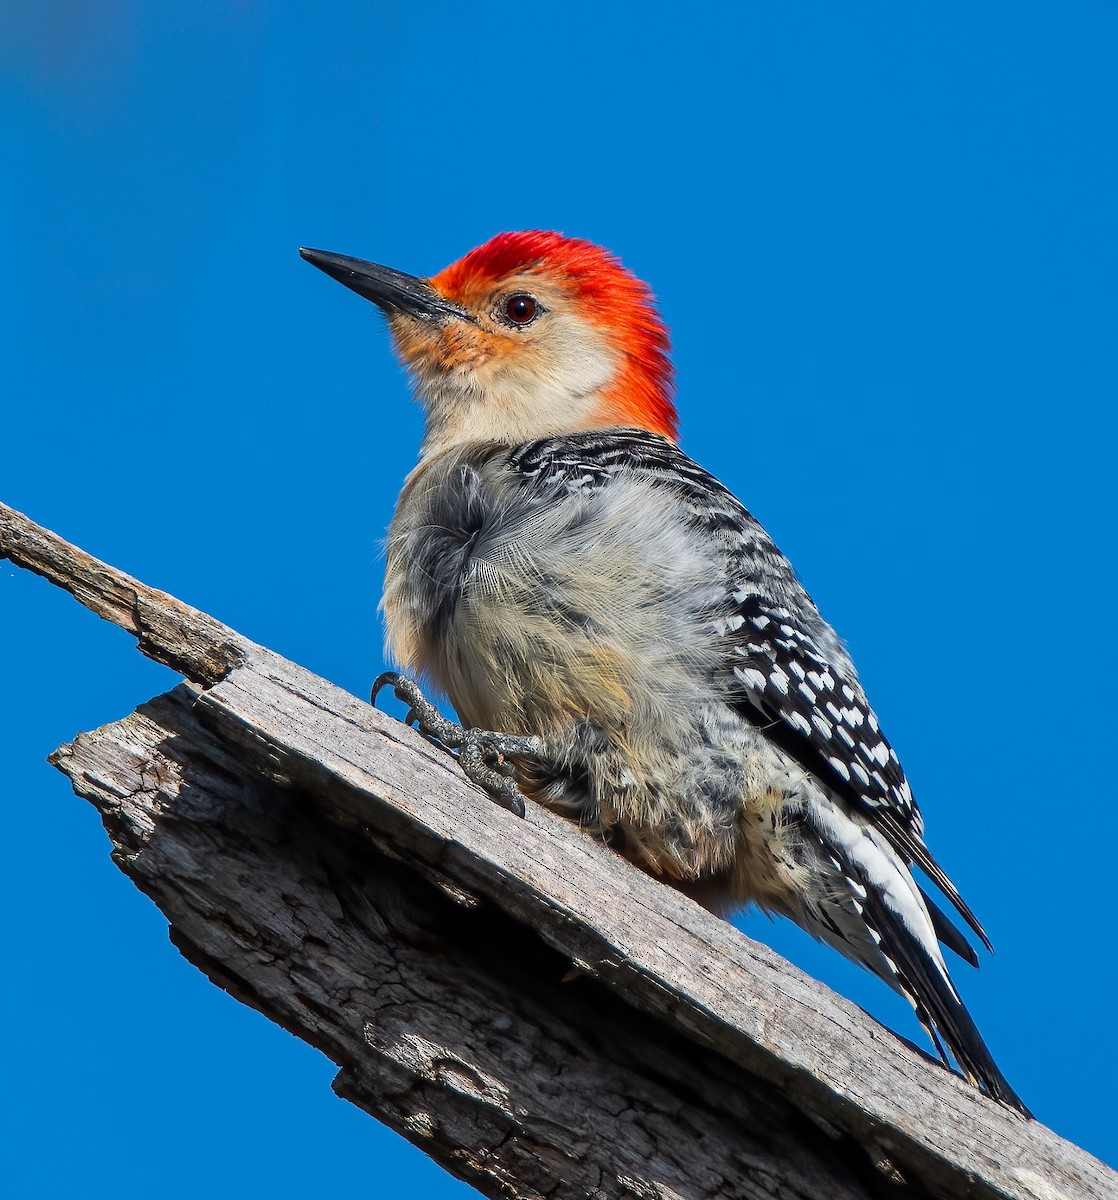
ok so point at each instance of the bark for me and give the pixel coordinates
(330, 868)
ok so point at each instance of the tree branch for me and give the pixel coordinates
(329, 867)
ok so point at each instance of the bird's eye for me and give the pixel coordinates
(521, 309)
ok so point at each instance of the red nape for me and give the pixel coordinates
(610, 295)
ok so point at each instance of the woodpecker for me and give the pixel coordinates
(621, 639)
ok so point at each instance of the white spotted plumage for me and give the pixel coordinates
(573, 581)
(725, 741)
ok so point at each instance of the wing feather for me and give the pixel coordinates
(785, 668)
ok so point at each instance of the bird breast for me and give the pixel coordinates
(535, 604)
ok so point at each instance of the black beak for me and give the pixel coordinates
(393, 291)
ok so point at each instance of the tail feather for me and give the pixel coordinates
(867, 905)
(938, 1006)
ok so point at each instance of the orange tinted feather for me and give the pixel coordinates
(609, 295)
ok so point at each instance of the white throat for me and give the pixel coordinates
(543, 387)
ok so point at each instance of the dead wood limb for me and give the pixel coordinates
(754, 1052)
(451, 1022)
(166, 630)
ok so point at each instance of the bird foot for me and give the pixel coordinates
(482, 754)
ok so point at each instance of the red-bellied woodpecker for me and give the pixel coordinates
(607, 617)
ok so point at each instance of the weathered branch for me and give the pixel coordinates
(166, 630)
(327, 866)
(450, 1020)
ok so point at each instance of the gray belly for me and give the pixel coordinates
(593, 623)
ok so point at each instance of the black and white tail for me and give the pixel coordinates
(867, 905)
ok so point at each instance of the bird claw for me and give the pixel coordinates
(421, 712)
(481, 753)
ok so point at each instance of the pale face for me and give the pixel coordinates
(531, 334)
(527, 365)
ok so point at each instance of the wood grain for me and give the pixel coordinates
(747, 1051)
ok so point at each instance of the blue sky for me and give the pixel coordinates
(885, 242)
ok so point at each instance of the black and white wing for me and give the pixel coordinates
(811, 703)
(789, 671)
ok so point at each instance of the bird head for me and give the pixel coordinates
(530, 334)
